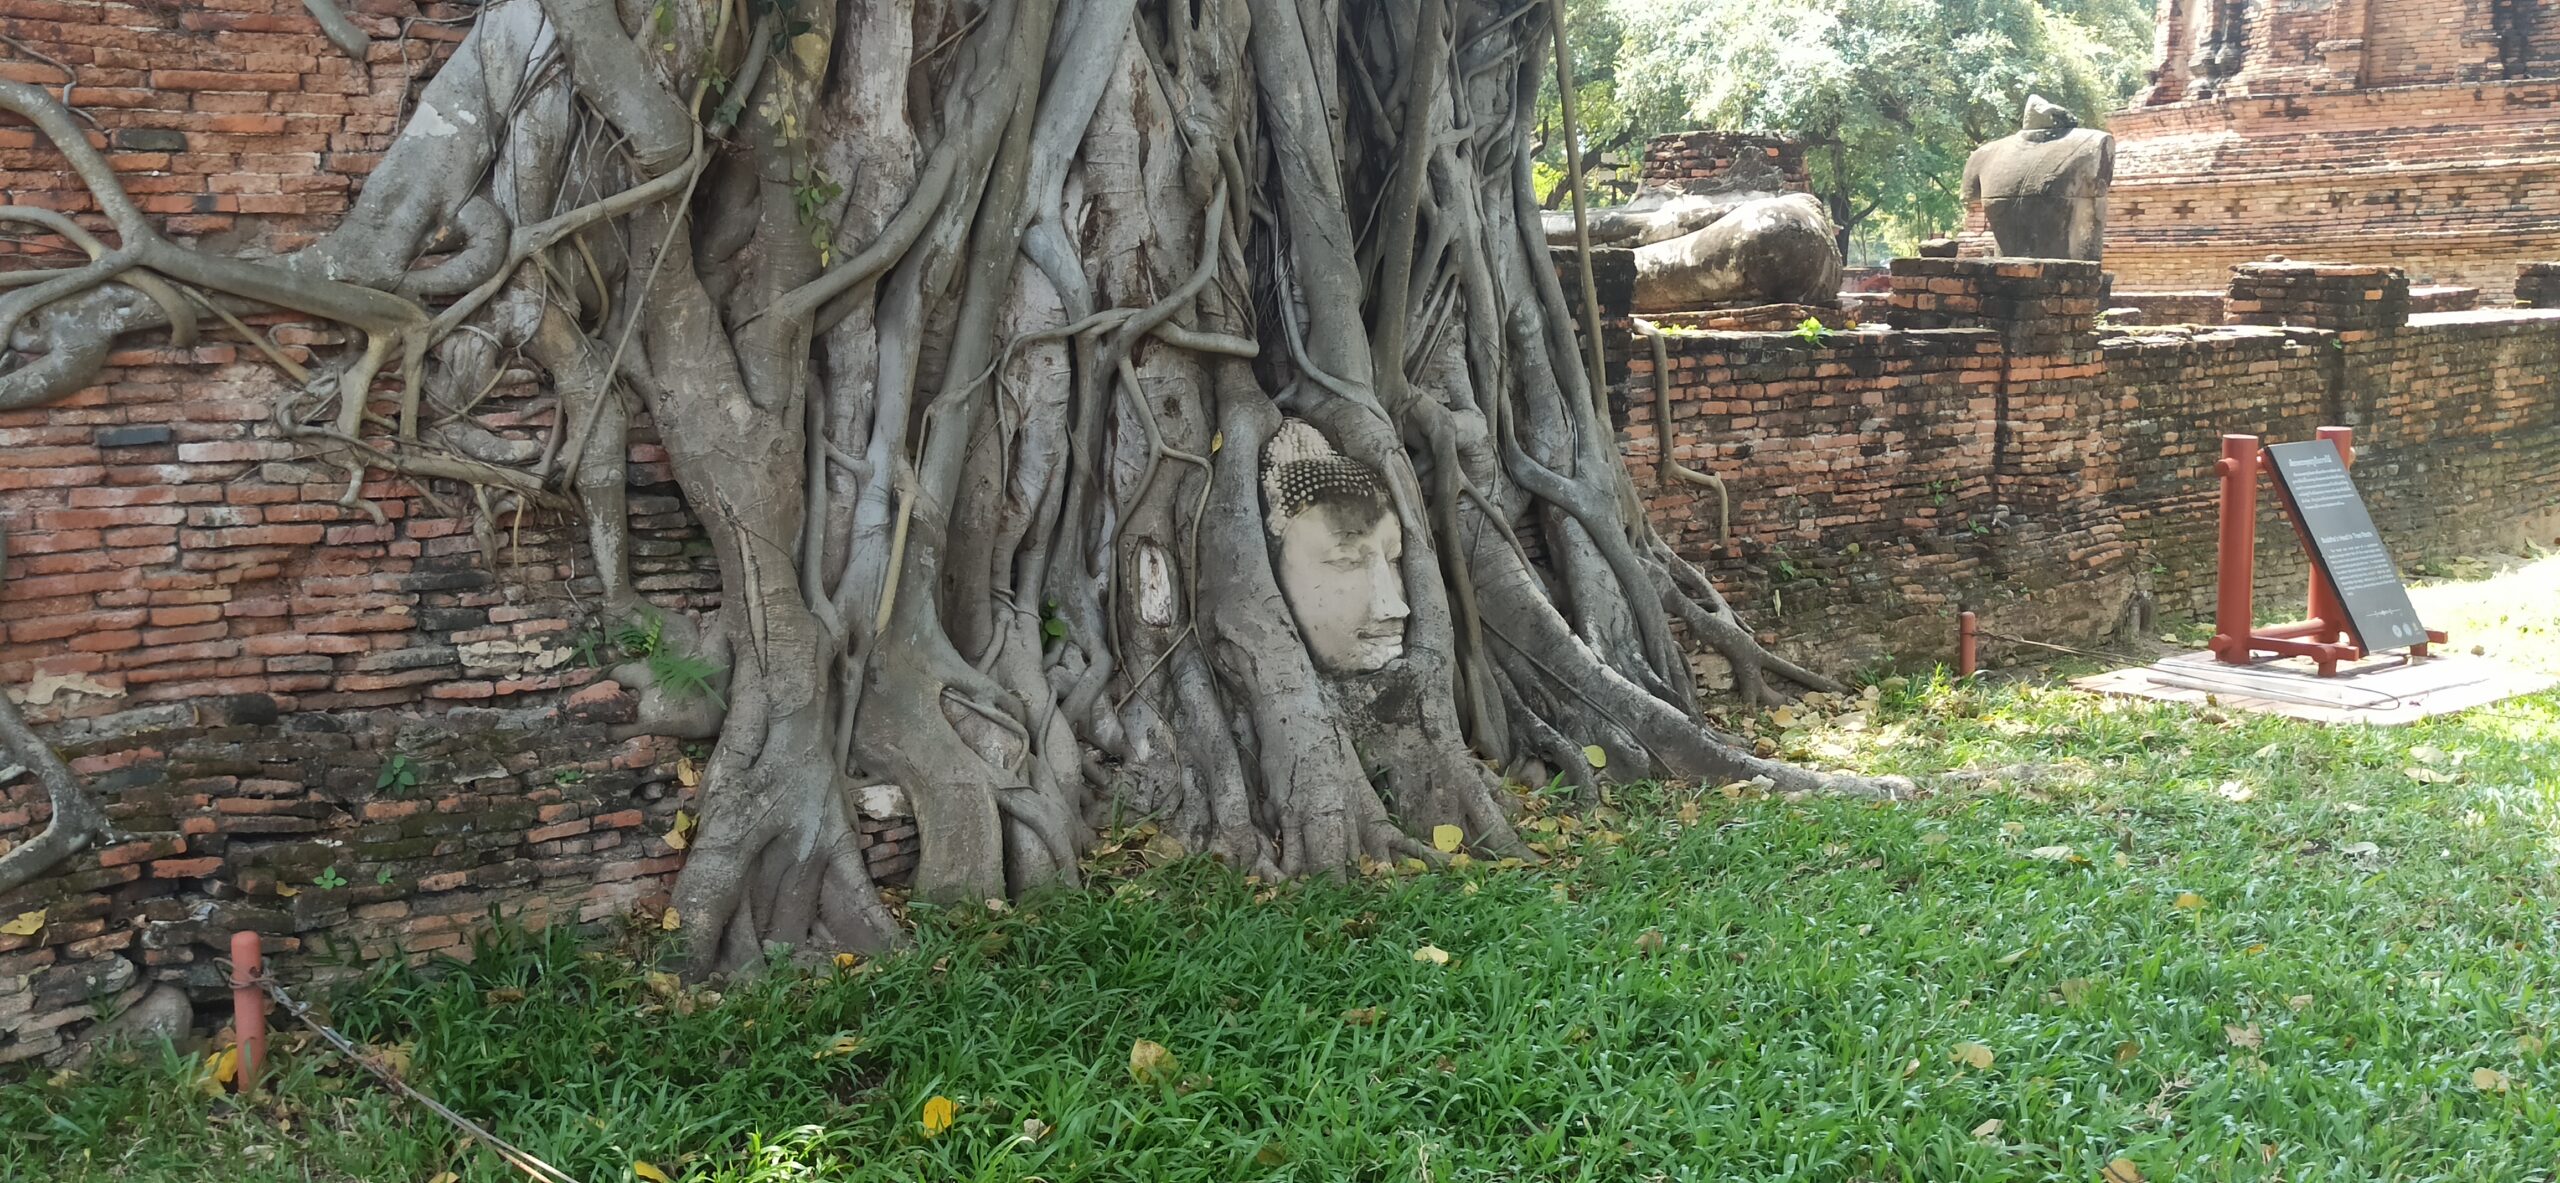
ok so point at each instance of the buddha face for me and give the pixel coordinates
(1336, 543)
(1338, 568)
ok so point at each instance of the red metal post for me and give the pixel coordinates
(2326, 611)
(248, 1008)
(2234, 599)
(1968, 652)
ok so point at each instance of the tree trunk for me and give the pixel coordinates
(966, 329)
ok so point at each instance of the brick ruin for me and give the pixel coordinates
(1985, 444)
(2417, 133)
(359, 737)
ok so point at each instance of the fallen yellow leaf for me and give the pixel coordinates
(1433, 954)
(1974, 1055)
(2188, 900)
(1446, 839)
(2248, 1037)
(2489, 1080)
(670, 920)
(1151, 1063)
(841, 1045)
(224, 1066)
(686, 774)
(2121, 1170)
(939, 1112)
(1598, 757)
(1989, 1129)
(2428, 776)
(444, 1177)
(2050, 854)
(848, 960)
(680, 835)
(2126, 1051)
(26, 925)
(649, 1171)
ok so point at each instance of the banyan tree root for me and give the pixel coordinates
(965, 327)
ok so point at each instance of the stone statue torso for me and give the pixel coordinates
(2076, 163)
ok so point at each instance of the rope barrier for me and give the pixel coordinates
(515, 1156)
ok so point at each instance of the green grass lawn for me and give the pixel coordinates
(2191, 945)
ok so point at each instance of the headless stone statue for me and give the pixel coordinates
(2044, 190)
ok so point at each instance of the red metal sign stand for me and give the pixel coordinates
(2324, 638)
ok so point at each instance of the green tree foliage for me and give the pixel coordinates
(1887, 95)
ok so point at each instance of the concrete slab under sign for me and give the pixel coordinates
(2386, 690)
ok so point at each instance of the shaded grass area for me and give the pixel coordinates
(2269, 951)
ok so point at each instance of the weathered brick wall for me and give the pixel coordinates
(2321, 45)
(1694, 157)
(2433, 167)
(2538, 285)
(353, 735)
(1992, 451)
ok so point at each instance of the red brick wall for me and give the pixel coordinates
(2008, 458)
(1690, 157)
(230, 658)
(2453, 184)
(2402, 132)
(2296, 46)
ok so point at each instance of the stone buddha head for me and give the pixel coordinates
(1336, 543)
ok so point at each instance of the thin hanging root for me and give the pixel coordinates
(300, 374)
(1666, 465)
(340, 31)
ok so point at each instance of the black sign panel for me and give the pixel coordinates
(2344, 545)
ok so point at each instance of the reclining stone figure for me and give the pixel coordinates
(1735, 244)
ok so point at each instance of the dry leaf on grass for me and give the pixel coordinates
(1151, 1063)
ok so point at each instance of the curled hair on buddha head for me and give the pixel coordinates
(1301, 471)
